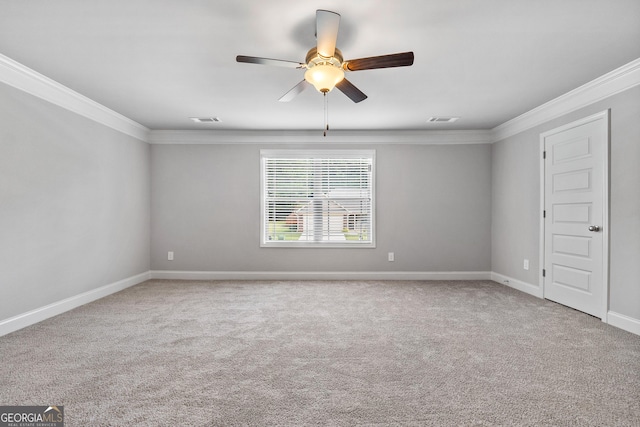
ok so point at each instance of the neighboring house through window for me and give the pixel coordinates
(314, 198)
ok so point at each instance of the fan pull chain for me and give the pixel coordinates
(326, 115)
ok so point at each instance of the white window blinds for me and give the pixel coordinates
(318, 198)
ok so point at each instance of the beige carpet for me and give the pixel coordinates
(177, 353)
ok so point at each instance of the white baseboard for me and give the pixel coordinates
(320, 275)
(39, 314)
(621, 321)
(618, 320)
(525, 287)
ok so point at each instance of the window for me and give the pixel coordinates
(317, 198)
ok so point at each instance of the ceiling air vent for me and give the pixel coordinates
(206, 119)
(442, 119)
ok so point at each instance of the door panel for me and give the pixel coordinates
(571, 245)
(572, 181)
(571, 150)
(571, 213)
(574, 201)
(572, 278)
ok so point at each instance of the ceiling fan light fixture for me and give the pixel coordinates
(322, 72)
(324, 77)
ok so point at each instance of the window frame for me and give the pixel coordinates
(307, 154)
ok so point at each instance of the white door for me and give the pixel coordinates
(575, 214)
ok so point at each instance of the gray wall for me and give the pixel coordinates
(74, 204)
(76, 197)
(516, 200)
(433, 210)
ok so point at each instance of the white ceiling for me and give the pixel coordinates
(160, 62)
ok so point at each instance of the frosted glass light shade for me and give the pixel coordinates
(324, 77)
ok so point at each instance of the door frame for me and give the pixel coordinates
(606, 115)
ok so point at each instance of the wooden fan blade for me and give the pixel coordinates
(384, 61)
(327, 25)
(355, 94)
(269, 61)
(294, 91)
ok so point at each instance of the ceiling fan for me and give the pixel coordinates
(325, 64)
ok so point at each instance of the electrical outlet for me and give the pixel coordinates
(170, 256)
(526, 264)
(392, 257)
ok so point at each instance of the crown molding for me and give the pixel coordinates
(614, 82)
(310, 137)
(27, 80)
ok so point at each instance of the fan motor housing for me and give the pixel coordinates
(314, 58)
